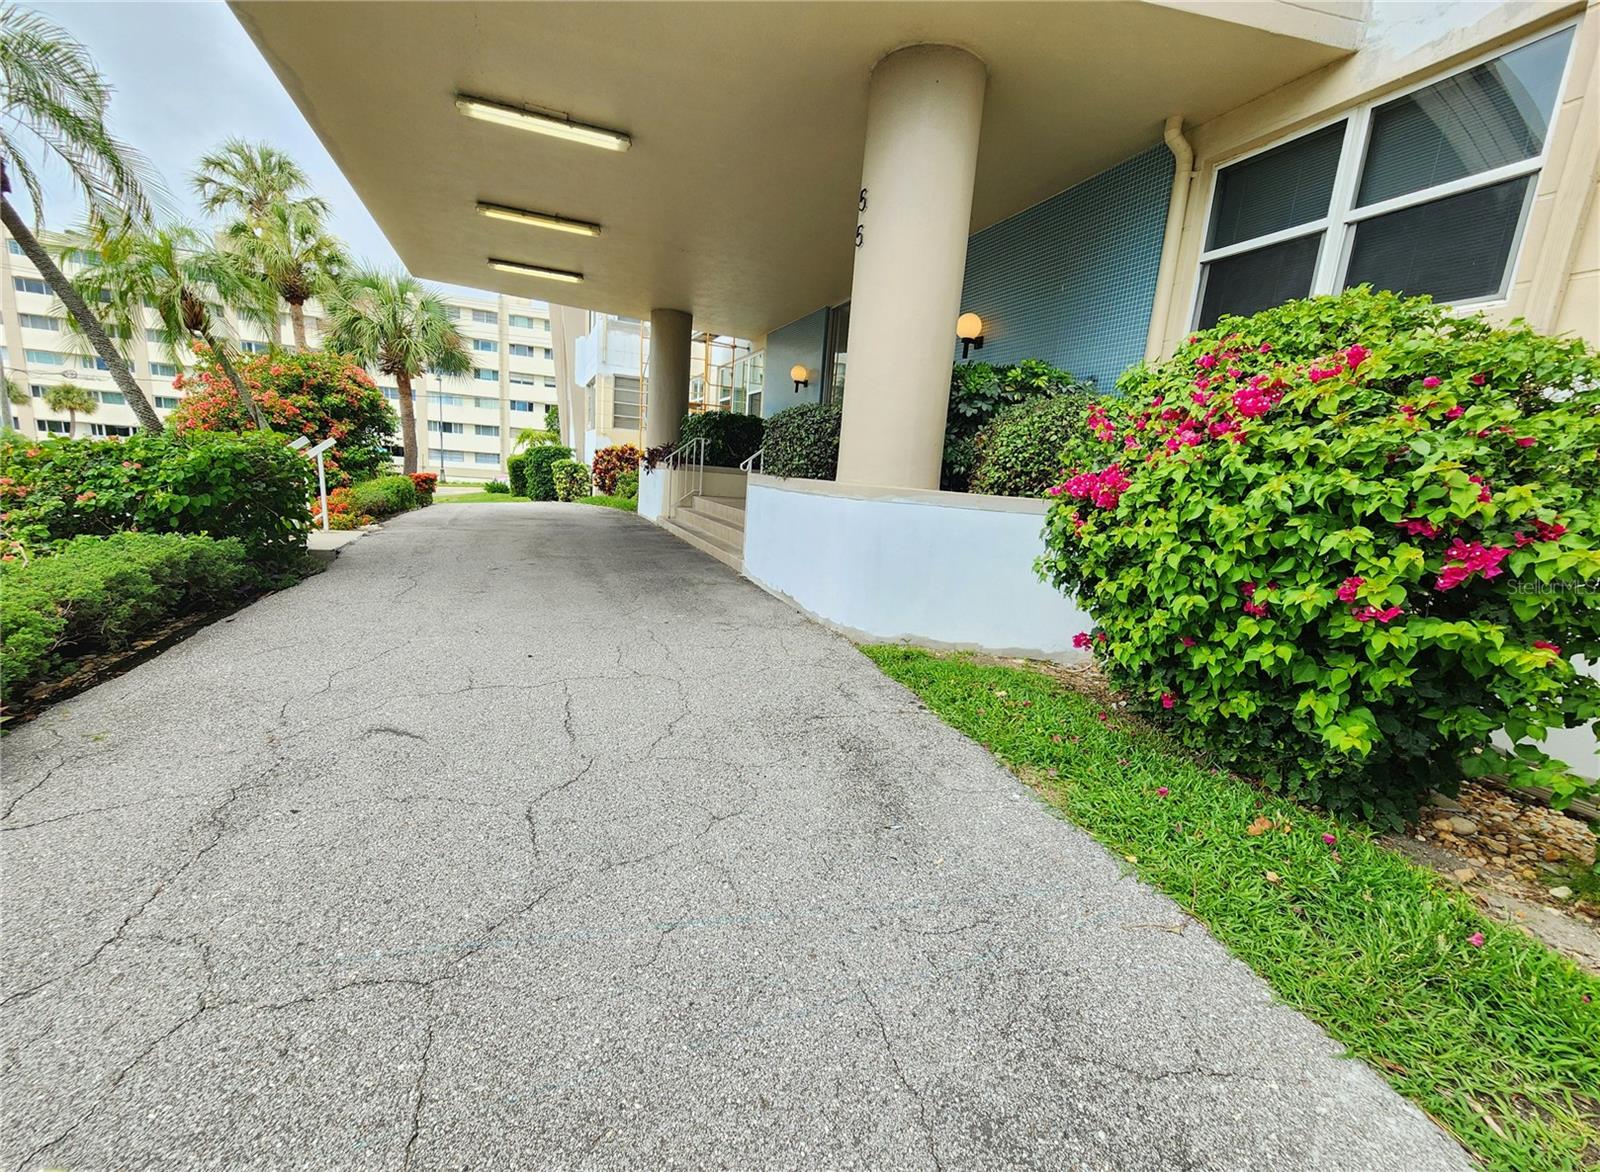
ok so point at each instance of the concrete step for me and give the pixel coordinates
(727, 555)
(711, 528)
(723, 508)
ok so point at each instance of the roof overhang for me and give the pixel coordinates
(737, 199)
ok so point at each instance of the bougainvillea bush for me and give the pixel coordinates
(609, 463)
(1342, 542)
(314, 393)
(249, 486)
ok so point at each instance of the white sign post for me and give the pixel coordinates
(322, 477)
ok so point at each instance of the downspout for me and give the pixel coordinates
(1177, 208)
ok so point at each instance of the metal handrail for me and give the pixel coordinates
(690, 454)
(756, 461)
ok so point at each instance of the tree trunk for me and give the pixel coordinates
(72, 424)
(239, 388)
(408, 422)
(83, 315)
(297, 320)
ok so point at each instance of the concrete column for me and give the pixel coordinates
(667, 395)
(924, 111)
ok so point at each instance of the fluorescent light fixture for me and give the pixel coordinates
(555, 125)
(513, 266)
(538, 219)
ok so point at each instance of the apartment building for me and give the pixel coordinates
(470, 422)
(611, 372)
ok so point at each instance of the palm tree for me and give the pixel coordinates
(535, 437)
(287, 246)
(394, 323)
(16, 397)
(55, 104)
(71, 398)
(187, 285)
(250, 179)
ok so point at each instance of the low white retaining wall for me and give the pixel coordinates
(944, 569)
(653, 491)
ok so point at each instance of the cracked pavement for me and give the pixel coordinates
(590, 854)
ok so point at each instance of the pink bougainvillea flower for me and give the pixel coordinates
(1168, 699)
(1526, 441)
(1478, 380)
(1258, 609)
(1431, 381)
(1319, 374)
(1348, 588)
(1476, 940)
(1099, 716)
(1248, 589)
(1417, 527)
(1265, 348)
(1455, 412)
(1329, 839)
(1081, 640)
(1355, 356)
(1162, 791)
(1206, 361)
(1549, 530)
(1187, 641)
(1550, 647)
(1484, 494)
(1234, 372)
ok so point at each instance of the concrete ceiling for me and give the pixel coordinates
(737, 199)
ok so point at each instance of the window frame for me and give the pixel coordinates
(1338, 226)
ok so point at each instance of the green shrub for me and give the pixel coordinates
(609, 463)
(497, 486)
(803, 442)
(1019, 452)
(384, 496)
(552, 417)
(627, 485)
(517, 475)
(571, 479)
(1344, 541)
(979, 392)
(100, 593)
(541, 484)
(730, 439)
(249, 486)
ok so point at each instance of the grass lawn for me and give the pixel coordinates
(477, 498)
(627, 504)
(1496, 1037)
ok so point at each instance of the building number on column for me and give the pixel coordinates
(861, 206)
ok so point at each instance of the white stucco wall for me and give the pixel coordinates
(937, 568)
(653, 492)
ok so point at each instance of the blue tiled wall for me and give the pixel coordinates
(1071, 280)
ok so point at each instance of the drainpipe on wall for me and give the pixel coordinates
(1182, 176)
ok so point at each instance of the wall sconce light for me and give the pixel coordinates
(969, 332)
(801, 376)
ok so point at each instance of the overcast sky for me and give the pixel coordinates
(185, 77)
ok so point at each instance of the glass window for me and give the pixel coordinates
(485, 374)
(110, 429)
(53, 426)
(485, 317)
(521, 405)
(520, 321)
(112, 398)
(39, 321)
(14, 247)
(1431, 197)
(488, 429)
(486, 458)
(36, 390)
(44, 358)
(624, 401)
(163, 369)
(253, 347)
(1482, 118)
(447, 456)
(1281, 188)
(524, 380)
(485, 346)
(167, 402)
(29, 285)
(518, 350)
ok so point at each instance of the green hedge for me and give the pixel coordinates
(730, 439)
(384, 496)
(1019, 453)
(540, 482)
(100, 593)
(803, 442)
(571, 479)
(248, 486)
(517, 475)
(628, 485)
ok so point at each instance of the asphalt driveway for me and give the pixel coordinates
(528, 837)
